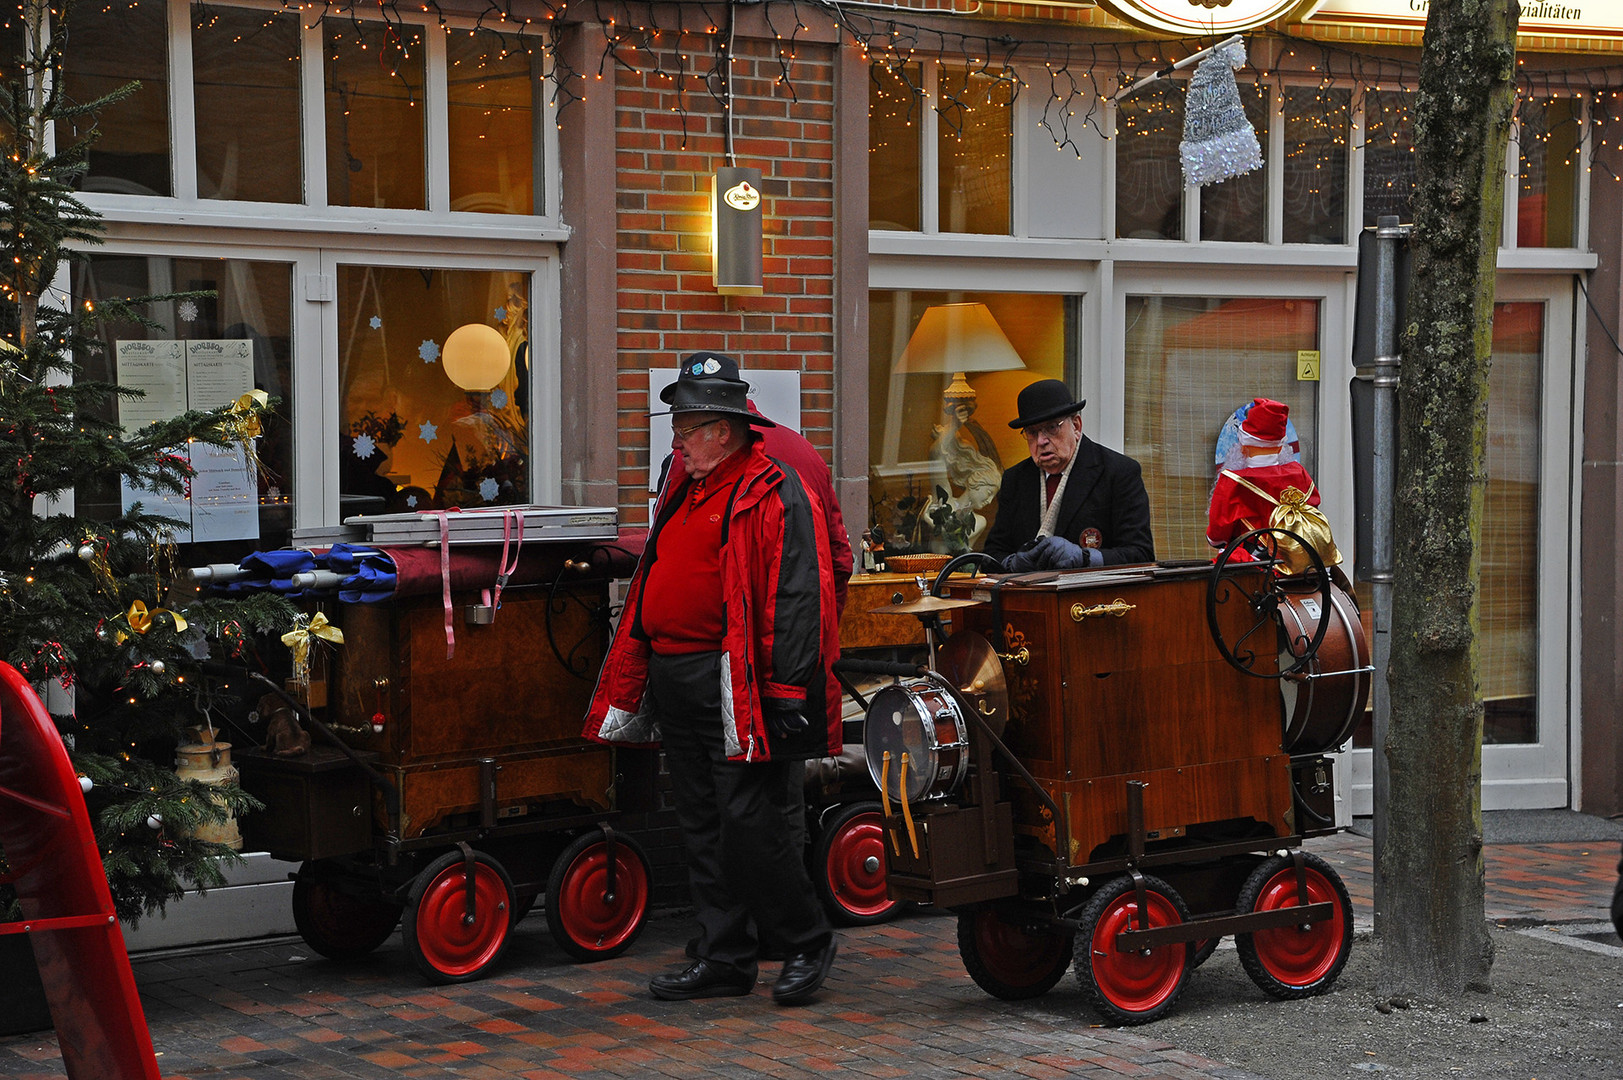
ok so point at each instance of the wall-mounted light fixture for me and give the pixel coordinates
(735, 231)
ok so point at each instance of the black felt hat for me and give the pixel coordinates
(1044, 399)
(709, 382)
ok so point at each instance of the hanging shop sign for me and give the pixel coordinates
(1574, 19)
(1204, 17)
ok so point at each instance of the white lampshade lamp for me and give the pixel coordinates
(956, 339)
(476, 357)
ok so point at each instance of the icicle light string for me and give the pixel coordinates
(641, 37)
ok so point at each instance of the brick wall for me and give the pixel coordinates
(666, 304)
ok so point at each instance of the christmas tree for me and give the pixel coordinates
(91, 608)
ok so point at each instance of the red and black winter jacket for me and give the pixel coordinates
(781, 635)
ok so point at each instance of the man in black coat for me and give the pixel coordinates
(1073, 503)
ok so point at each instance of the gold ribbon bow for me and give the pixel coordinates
(140, 619)
(300, 637)
(243, 422)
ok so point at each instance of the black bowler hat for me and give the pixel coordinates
(1044, 400)
(709, 382)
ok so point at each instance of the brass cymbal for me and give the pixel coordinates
(970, 663)
(924, 605)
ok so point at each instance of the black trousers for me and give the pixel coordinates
(746, 879)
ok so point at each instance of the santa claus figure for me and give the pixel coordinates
(1266, 487)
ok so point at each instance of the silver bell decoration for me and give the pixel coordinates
(1218, 141)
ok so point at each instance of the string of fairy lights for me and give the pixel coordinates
(683, 46)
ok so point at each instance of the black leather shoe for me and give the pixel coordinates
(802, 975)
(700, 979)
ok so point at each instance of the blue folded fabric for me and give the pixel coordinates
(283, 563)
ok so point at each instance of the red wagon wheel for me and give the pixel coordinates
(1010, 957)
(1295, 961)
(337, 924)
(592, 914)
(1140, 985)
(449, 940)
(848, 867)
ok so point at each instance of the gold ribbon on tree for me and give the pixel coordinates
(307, 630)
(141, 620)
(241, 425)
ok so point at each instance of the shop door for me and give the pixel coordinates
(1529, 598)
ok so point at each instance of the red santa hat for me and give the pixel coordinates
(1264, 423)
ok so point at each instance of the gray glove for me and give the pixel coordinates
(1021, 562)
(1048, 553)
(1058, 553)
(783, 717)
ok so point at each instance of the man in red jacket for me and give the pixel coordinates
(723, 653)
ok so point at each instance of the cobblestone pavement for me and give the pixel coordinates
(898, 1004)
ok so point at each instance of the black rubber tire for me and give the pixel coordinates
(1201, 951)
(851, 892)
(1294, 962)
(337, 924)
(445, 948)
(1009, 958)
(1131, 988)
(586, 922)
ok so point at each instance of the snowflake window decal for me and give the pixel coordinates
(365, 446)
(429, 351)
(187, 311)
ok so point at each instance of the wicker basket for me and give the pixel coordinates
(926, 563)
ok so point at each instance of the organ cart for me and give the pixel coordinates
(1099, 768)
(448, 787)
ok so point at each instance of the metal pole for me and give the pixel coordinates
(1385, 451)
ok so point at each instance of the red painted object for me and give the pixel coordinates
(67, 910)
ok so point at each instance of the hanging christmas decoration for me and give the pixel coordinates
(305, 632)
(1218, 140)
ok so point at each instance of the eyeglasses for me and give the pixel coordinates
(687, 433)
(1049, 430)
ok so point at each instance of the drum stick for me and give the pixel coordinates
(884, 797)
(907, 811)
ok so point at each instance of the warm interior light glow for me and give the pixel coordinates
(475, 357)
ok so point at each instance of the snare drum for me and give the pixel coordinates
(919, 718)
(1325, 701)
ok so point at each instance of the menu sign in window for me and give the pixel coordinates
(221, 502)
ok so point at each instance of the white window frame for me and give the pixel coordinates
(314, 215)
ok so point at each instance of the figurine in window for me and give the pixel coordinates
(1265, 486)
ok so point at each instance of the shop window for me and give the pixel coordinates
(1237, 208)
(895, 112)
(495, 96)
(1547, 187)
(418, 432)
(974, 142)
(245, 62)
(374, 108)
(112, 46)
(1389, 161)
(234, 329)
(1149, 172)
(1315, 164)
(946, 370)
(1508, 646)
(1190, 362)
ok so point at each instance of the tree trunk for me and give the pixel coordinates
(1434, 941)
